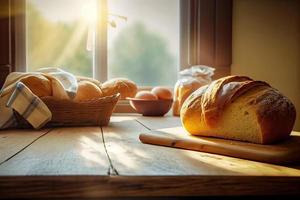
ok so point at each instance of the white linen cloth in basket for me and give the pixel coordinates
(14, 95)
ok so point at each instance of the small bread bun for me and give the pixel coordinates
(162, 93)
(146, 95)
(58, 91)
(38, 84)
(125, 87)
(86, 91)
(83, 78)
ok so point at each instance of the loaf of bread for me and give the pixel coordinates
(38, 84)
(87, 91)
(238, 108)
(125, 87)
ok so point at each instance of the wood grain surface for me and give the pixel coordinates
(63, 151)
(12, 141)
(92, 187)
(131, 157)
(93, 162)
(172, 125)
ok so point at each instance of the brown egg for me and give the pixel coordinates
(146, 95)
(162, 93)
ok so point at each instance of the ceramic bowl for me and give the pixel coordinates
(151, 107)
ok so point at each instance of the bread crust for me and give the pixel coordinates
(38, 84)
(203, 109)
(125, 87)
(276, 115)
(87, 90)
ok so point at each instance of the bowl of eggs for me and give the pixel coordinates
(156, 102)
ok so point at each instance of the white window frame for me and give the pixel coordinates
(100, 71)
(100, 64)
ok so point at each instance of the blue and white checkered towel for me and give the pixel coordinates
(15, 96)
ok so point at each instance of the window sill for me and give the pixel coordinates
(123, 106)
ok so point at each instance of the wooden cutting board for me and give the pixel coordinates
(282, 153)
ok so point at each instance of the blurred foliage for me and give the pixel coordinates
(57, 44)
(142, 56)
(137, 53)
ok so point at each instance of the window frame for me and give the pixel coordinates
(100, 66)
(205, 38)
(100, 58)
(206, 34)
(205, 26)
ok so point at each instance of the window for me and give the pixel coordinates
(57, 34)
(199, 29)
(142, 38)
(145, 48)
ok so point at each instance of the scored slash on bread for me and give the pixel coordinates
(239, 108)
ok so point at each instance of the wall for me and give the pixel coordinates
(266, 44)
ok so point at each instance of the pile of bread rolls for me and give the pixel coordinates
(88, 88)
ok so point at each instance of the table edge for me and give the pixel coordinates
(150, 186)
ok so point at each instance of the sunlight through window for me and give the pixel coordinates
(57, 33)
(145, 47)
(142, 38)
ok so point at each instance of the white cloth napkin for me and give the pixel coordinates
(15, 96)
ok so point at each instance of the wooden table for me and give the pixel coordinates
(91, 162)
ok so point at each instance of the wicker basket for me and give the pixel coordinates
(96, 112)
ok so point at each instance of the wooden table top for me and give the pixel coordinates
(91, 162)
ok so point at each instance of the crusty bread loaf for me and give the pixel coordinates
(125, 87)
(238, 108)
(38, 84)
(87, 91)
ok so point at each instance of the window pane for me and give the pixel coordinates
(145, 48)
(57, 35)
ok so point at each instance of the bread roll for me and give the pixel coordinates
(238, 108)
(125, 87)
(58, 91)
(38, 84)
(83, 78)
(87, 91)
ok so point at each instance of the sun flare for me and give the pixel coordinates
(89, 12)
